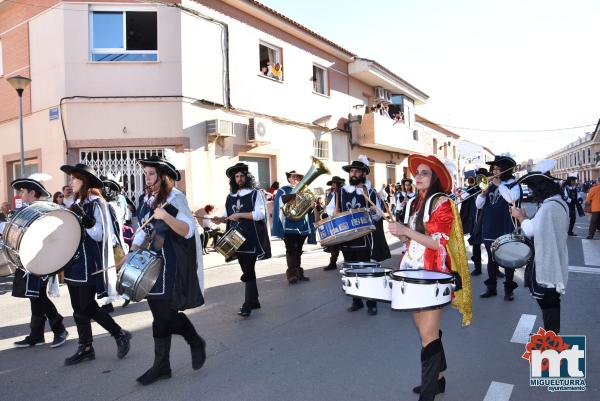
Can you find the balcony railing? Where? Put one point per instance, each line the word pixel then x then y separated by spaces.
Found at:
pixel 381 132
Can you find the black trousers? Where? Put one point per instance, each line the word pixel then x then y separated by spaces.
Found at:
pixel 476 258
pixel 85 308
pixel 334 254
pixel 572 218
pixel 247 263
pixel 358 255
pixel 492 269
pixel 293 255
pixel 550 305
pixel 594 224
pixel 167 321
pixel 42 308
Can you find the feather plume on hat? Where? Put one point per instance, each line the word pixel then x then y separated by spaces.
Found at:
pixel 178 160
pixel 363 159
pixel 40 177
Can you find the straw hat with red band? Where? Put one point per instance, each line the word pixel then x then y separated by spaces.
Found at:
pixel 435 165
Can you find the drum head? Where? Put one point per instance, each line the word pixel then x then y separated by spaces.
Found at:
pixel 361 265
pixel 421 276
pixel 376 272
pixel 50 242
pixel 512 254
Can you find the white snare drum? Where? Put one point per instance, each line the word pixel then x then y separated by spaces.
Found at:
pixel 512 251
pixel 42 238
pixel 359 265
pixel 421 289
pixel 369 283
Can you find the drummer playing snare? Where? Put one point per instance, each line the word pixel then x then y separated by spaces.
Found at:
pixel 430 219
pixel 245 211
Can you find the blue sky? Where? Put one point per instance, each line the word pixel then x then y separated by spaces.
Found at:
pixel 500 65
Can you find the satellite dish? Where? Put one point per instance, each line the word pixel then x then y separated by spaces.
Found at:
pixel 260 129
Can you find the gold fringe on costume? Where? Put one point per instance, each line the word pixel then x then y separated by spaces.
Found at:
pixel 458 257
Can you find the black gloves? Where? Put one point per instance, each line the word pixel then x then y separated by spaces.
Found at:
pixel 87 219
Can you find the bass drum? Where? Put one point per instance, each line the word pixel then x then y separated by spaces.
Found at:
pixel 139 274
pixel 42 238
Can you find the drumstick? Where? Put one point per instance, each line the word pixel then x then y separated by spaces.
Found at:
pixel 390 218
pixel 103 270
pixel 149 220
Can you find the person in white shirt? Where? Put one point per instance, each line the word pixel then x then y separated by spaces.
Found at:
pixel 548 275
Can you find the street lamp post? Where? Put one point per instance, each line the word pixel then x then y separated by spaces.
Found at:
pixel 20 83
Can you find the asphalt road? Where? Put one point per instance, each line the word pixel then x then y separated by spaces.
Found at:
pixel 304 345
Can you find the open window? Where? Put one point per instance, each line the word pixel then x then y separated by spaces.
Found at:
pixel 320 80
pixel 123 36
pixel 271 61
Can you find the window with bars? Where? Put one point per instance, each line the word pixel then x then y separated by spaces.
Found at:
pixel 121 163
pixel 320 149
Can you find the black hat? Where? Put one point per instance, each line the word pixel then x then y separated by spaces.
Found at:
pixel 112 184
pixel 337 179
pixel 358 165
pixel 288 174
pixel 30 185
pixel 231 171
pixel 483 171
pixel 406 180
pixel 162 166
pixel 541 173
pixel 86 171
pixel 502 161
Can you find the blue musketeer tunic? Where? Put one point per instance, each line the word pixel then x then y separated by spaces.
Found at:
pixel 283 225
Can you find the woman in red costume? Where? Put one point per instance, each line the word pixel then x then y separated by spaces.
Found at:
pixel 428 228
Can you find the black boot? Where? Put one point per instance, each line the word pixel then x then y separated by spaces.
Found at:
pixel 491 289
pixel 161 369
pixel 551 318
pixel 332 262
pixel 357 304
pixel 509 287
pixel 123 343
pixel 196 343
pixel 301 275
pixel 249 298
pixel 60 333
pixel 372 307
pixel 443 367
pixel 431 363
pixel 85 352
pixel 36 335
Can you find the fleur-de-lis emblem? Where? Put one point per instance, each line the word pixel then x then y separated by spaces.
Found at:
pixel 237 207
pixel 353 205
pixel 494 196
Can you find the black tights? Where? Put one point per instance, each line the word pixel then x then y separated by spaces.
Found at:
pixel 550 305
pixel 85 308
pixel 168 321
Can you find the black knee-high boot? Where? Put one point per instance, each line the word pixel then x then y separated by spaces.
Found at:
pixel 196 343
pixel 431 363
pixel 551 318
pixel 161 368
pixel 443 366
pixel 292 270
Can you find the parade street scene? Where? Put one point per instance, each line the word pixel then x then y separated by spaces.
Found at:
pixel 275 200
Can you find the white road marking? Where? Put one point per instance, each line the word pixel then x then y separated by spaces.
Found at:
pixel 584 269
pixel 591 252
pixel 499 392
pixel 523 329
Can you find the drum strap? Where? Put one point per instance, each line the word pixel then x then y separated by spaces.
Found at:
pixel 407 209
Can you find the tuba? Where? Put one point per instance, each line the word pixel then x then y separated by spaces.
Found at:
pixel 298 207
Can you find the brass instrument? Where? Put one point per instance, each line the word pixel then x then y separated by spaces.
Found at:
pixel 470 181
pixel 483 182
pixel 297 208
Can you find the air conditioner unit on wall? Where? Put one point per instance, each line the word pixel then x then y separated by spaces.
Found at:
pixel 379 94
pixel 256 132
pixel 216 128
pixel 387 95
